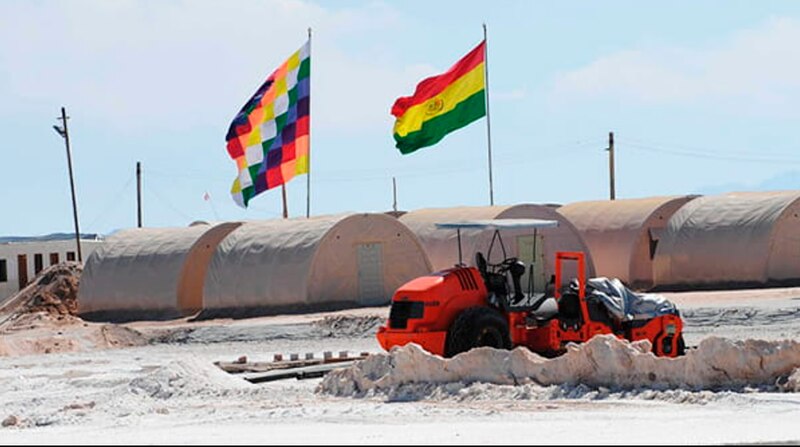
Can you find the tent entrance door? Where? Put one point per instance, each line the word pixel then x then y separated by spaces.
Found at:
pixel 525 248
pixel 370 274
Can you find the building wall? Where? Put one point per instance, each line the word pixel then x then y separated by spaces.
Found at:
pixel 9 252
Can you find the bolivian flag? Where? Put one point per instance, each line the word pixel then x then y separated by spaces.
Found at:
pixel 442 104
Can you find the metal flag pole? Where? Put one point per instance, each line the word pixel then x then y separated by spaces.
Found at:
pixel 611 184
pixel 64 132
pixel 488 121
pixel 283 194
pixel 394 195
pixel 139 194
pixel 308 159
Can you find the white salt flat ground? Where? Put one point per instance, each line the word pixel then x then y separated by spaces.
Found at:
pixel 171 393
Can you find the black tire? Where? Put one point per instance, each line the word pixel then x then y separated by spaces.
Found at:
pixel 681 345
pixel 476 327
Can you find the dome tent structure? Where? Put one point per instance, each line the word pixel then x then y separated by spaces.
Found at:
pixel 138 272
pixel 321 263
pixel 740 239
pixel 441 246
pixel 623 235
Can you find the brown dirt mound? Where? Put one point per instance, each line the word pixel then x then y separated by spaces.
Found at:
pixel 41 318
pixel 54 291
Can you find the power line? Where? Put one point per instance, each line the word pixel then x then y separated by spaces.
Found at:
pixel 709 154
pixel 168 204
pixel 113 203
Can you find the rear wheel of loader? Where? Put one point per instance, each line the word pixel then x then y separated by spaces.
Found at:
pixel 476 327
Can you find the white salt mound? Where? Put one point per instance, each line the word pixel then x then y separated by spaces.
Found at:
pixel 187 378
pixel 604 361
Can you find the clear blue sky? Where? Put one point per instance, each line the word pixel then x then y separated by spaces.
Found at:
pixel 702 97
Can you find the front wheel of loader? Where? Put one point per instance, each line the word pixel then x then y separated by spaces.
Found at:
pixel 681 345
pixel 476 327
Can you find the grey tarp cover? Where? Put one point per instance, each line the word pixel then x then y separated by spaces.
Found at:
pixel 734 238
pixel 623 304
pixel 137 271
pixel 311 263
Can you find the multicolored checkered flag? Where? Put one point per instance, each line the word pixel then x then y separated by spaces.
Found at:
pixel 269 138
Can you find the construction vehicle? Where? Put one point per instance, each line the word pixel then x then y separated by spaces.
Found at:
pixel 457 309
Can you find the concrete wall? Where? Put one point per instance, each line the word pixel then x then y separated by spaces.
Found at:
pixel 9 253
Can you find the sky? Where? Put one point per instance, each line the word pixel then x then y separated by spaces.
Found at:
pixel 701 96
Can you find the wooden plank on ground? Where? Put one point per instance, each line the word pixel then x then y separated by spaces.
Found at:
pixel 299 373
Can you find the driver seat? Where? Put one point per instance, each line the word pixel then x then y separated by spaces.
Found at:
pixel 495 282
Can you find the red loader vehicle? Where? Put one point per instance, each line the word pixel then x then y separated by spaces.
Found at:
pixel 455 310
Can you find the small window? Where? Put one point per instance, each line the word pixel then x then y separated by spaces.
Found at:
pixel 22 271
pixel 53 258
pixel 70 256
pixel 38 263
pixel 3 271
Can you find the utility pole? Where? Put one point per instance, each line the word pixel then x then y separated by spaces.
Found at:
pixel 139 194
pixel 64 132
pixel 610 149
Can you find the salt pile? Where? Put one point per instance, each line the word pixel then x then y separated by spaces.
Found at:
pixel 189 377
pixel 603 362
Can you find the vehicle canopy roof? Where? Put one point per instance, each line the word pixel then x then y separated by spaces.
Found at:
pixel 498 224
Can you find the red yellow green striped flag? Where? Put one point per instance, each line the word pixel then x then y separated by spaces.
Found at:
pixel 442 104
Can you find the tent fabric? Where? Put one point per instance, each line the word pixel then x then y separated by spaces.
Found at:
pixel 622 234
pixel 441 245
pixel 136 272
pixel 313 263
pixel 743 238
pixel 193 273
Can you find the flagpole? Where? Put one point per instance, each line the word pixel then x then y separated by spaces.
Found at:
pixel 488 121
pixel 283 194
pixel 308 159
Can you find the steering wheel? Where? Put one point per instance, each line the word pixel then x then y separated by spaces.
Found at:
pixel 505 264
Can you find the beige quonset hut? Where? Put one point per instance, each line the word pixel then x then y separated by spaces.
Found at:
pixel 148 273
pixel 442 245
pixel 623 235
pixel 734 239
pixel 320 263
